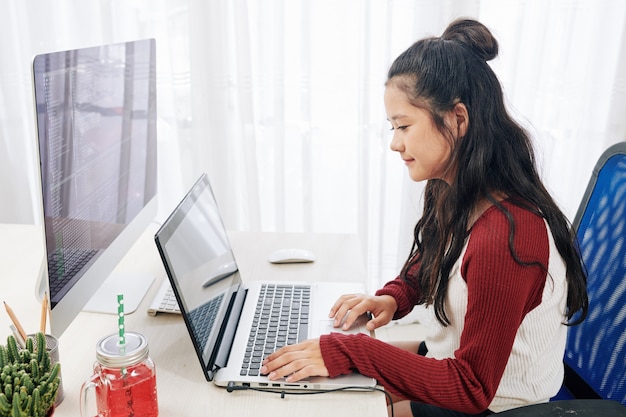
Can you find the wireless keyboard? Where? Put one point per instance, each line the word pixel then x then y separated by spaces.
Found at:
pixel 164 300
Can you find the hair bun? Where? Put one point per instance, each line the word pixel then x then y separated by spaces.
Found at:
pixel 474 35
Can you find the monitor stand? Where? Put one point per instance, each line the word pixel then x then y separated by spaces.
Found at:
pixel 133 285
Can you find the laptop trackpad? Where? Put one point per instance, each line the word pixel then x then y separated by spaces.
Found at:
pixel 326 326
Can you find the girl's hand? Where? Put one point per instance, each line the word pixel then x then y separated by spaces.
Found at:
pixel 349 307
pixel 295 362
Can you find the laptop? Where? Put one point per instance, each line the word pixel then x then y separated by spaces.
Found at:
pixel 225 315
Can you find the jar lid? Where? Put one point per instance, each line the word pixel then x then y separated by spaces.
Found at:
pixel 109 353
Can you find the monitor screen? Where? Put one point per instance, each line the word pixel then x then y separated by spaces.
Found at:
pixel 96 125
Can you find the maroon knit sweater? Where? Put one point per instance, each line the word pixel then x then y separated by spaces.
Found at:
pixel 500 292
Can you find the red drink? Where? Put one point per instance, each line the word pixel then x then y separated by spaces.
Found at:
pixel 124 380
pixel 131 395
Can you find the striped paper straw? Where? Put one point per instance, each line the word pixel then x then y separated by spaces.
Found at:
pixel 121 327
pixel 120 321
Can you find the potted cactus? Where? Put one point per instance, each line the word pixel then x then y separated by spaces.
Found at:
pixel 28 381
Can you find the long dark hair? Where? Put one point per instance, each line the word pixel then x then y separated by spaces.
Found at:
pixel 495 157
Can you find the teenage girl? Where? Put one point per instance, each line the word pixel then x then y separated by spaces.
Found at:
pixel 494 259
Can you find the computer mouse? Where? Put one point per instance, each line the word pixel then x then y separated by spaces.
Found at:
pixel 291 255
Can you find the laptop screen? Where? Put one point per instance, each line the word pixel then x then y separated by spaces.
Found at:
pixel 201 267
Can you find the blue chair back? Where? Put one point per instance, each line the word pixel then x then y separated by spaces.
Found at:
pixel 596 349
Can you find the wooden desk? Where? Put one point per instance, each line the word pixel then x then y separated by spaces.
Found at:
pixel 182 389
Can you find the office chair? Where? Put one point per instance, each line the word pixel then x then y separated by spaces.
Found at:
pixel 595 354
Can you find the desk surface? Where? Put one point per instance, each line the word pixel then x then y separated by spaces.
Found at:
pixel 182 388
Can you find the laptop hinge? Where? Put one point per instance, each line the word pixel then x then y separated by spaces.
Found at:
pixel 230 328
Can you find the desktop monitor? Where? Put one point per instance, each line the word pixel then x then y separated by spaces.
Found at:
pixel 96 128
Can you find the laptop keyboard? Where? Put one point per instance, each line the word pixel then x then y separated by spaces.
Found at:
pixel 203 319
pixel 281 318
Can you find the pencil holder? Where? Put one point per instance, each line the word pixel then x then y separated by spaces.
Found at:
pixel 52 346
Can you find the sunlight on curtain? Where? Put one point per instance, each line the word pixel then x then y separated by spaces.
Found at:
pixel 311 153
pixel 280 101
pixel 563 69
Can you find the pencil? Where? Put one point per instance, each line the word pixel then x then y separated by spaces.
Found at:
pixel 15 321
pixel 44 312
pixel 18 337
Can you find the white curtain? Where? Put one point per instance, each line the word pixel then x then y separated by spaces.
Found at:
pixel 281 101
